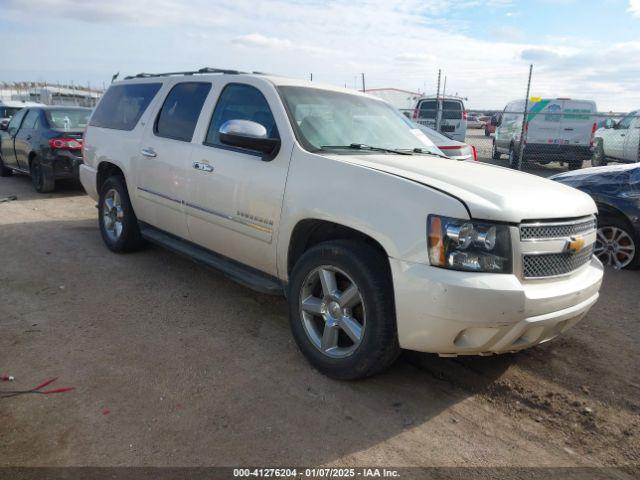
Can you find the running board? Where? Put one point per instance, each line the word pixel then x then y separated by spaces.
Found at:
pixel 247 276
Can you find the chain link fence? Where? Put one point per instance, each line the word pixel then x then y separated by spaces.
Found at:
pixel 549 136
pixel 538 134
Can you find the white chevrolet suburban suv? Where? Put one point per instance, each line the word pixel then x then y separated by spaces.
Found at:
pixel 327 196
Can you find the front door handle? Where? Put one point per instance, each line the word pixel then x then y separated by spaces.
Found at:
pixel 28 137
pixel 203 167
pixel 148 152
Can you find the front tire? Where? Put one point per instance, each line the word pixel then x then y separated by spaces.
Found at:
pixel 42 180
pixel 341 309
pixel 616 244
pixel 118 222
pixel 598 159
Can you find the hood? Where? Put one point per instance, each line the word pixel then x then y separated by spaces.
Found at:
pixel 595 174
pixel 488 191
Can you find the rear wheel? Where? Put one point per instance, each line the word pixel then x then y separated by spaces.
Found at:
pixel 42 180
pixel 616 244
pixel 514 158
pixel 495 154
pixel 4 171
pixel 574 164
pixel 341 309
pixel 118 222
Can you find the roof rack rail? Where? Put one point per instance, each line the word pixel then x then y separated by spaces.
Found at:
pixel 224 71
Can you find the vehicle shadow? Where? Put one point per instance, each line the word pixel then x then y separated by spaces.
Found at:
pixel 20 185
pixel 194 368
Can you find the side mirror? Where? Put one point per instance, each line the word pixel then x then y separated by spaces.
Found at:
pixel 609 123
pixel 249 135
pixel 4 125
pixel 496 121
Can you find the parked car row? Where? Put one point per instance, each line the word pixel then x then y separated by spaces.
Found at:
pixel 45 143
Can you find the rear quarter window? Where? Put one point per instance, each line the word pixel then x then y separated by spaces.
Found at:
pixel 123 105
pixel 179 114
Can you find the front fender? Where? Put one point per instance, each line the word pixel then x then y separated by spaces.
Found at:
pixel 390 209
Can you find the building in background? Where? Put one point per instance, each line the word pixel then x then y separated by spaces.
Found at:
pixel 50 94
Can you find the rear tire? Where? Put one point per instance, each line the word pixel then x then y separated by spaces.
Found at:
pixel 42 181
pixel 118 222
pixel 495 154
pixel 574 164
pixel 344 339
pixel 514 160
pixel 4 171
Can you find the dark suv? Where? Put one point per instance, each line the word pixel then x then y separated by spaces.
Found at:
pixel 44 142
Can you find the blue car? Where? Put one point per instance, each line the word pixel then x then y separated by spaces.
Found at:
pixel 616 191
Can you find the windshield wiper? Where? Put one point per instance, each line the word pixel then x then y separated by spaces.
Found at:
pixel 362 146
pixel 425 151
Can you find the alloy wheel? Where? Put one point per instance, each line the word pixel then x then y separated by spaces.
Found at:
pixel 112 215
pixel 332 311
pixel 614 247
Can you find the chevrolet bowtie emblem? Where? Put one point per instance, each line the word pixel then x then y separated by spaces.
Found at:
pixel 574 245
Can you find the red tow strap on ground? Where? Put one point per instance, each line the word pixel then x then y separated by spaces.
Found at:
pixel 37 389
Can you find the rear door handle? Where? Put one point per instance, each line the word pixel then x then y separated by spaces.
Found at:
pixel 203 167
pixel 148 152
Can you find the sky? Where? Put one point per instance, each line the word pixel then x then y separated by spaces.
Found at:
pixel 579 48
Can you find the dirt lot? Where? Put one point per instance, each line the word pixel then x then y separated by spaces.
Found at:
pixel 173 364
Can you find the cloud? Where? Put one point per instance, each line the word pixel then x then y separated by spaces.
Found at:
pixel 509 34
pixel 634 8
pixel 415 58
pixel 401 43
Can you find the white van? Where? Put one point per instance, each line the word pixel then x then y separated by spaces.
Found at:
pixel 453 119
pixel 558 129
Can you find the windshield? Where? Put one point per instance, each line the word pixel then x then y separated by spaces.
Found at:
pixel 68 119
pixel 323 119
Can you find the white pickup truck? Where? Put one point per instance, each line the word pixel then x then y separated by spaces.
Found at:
pixel 618 141
pixel 326 195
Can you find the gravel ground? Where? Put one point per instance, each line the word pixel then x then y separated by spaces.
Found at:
pixel 174 364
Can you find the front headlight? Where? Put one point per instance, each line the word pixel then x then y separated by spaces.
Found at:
pixel 468 245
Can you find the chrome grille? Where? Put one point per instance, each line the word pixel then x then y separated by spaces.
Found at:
pixel 554 264
pixel 546 231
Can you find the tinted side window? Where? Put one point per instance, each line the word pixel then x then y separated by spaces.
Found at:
pixel 123 105
pixel 428 109
pixel 31 120
pixel 179 114
pixel 14 124
pixel 241 102
pixel 626 121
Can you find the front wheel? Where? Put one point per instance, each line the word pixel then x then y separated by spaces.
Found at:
pixel 118 222
pixel 616 245
pixel 341 309
pixel 598 159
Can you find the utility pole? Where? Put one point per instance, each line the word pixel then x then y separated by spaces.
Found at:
pixel 438 105
pixel 311 77
pixel 523 131
pixel 363 87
